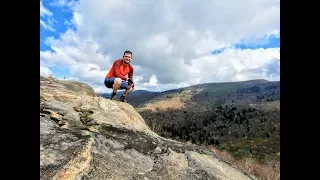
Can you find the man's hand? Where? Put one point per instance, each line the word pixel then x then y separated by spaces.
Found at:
pixel 130 82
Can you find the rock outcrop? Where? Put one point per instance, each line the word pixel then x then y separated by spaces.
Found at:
pixel 83 136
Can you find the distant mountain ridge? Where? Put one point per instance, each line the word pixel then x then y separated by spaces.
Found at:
pixel 138 97
pixel 240 86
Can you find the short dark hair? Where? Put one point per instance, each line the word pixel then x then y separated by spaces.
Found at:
pixel 127 52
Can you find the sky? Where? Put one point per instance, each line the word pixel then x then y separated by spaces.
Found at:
pixel 174 43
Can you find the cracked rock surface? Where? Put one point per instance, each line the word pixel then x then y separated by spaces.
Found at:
pixel 83 136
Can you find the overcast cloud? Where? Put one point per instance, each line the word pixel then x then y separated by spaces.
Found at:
pixel 171 40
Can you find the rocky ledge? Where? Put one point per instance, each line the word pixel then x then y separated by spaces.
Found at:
pixel 83 136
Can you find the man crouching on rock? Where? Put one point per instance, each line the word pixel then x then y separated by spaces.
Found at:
pixel 121 76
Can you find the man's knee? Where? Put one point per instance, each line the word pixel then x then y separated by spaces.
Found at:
pixel 130 88
pixel 117 81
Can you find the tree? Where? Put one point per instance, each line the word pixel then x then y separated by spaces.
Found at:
pixel 211 141
pixel 193 141
pixel 244 111
pixel 217 143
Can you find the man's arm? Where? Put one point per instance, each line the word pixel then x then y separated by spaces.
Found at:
pixel 130 75
pixel 117 65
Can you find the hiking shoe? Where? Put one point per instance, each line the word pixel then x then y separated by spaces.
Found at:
pixel 113 96
pixel 122 99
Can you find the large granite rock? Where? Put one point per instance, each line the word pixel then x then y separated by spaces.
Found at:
pixel 83 136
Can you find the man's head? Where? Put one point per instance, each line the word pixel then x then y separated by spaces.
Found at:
pixel 127 56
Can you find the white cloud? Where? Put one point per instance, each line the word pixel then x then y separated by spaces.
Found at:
pixel 275 33
pixel 46 26
pixel 232 64
pixel 63 3
pixel 44 71
pixel 44 11
pixel 171 41
pixel 100 90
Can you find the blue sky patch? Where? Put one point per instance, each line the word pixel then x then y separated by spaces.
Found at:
pixel 271 42
pixel 60 16
pixel 60 72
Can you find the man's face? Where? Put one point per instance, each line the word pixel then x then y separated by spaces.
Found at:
pixel 127 58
